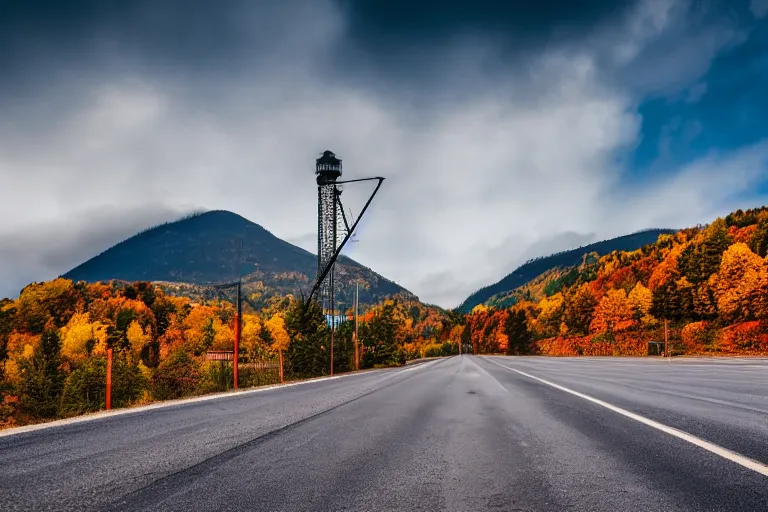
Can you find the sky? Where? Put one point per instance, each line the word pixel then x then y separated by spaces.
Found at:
pixel 505 130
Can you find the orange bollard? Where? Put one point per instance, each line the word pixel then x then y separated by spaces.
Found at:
pixel 109 378
pixel 235 357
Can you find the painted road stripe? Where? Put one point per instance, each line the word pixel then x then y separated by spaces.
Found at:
pixel 184 401
pixel 711 447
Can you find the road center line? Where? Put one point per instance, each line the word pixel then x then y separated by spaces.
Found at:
pixel 711 447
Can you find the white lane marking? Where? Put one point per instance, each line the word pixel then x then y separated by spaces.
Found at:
pixel 748 463
pixel 184 401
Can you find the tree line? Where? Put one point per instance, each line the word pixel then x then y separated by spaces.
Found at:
pixel 709 283
pixel 54 339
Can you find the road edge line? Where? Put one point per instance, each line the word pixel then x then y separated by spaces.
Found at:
pixel 101 415
pixel 725 453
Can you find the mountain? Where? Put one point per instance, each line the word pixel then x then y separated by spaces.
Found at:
pixel 205 248
pixel 533 268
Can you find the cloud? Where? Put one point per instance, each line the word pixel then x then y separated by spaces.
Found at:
pixel 487 163
pixel 38 250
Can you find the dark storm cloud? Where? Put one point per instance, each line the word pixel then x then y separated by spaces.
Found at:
pixel 382 24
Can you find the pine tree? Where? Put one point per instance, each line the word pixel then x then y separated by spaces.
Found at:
pixel 665 303
pixel 308 353
pixel 516 329
pixel 43 378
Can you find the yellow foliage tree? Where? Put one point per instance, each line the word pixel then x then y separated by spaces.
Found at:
pixel 280 338
pixel 198 328
pixel 613 312
pixel 250 336
pixel 551 314
pixel 78 333
pixel 640 300
pixel 137 337
pixel 276 326
pixel 224 336
pixel 737 282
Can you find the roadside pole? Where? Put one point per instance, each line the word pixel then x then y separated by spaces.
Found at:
pixel 236 355
pixel 357 298
pixel 109 378
pixel 666 339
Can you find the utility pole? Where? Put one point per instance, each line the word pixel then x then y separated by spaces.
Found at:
pixel 333 321
pixel 238 317
pixel 357 299
pixel 666 339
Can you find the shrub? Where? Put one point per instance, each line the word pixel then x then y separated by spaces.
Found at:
pixel 744 337
pixel 176 376
pixel 85 388
pixel 215 376
pixel 698 337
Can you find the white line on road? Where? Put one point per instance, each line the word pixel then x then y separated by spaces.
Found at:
pixel 711 447
pixel 184 401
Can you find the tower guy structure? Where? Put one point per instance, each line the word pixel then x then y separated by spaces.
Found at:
pixel 333 232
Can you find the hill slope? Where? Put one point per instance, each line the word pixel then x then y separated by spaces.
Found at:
pixel 534 268
pixel 206 248
pixel 704 290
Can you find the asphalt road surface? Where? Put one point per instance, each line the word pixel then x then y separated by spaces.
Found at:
pixel 464 433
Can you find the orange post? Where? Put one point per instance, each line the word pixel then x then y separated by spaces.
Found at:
pixel 109 378
pixel 235 357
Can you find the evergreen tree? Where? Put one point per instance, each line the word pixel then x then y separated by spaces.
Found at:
pixel 579 310
pixel 665 303
pixel 382 330
pixel 699 261
pixel 43 378
pixel 516 329
pixel 759 241
pixel 466 337
pixel 308 353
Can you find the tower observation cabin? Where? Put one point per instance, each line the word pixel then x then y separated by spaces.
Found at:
pixel 327 168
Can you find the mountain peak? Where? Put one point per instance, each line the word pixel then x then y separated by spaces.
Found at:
pixel 215 246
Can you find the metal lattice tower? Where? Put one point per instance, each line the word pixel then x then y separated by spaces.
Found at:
pixel 329 223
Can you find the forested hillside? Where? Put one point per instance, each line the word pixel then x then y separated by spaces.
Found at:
pixel 218 246
pixel 54 339
pixel 709 282
pixel 533 268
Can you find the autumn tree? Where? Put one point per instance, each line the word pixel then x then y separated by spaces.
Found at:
pixel 251 341
pixel 280 337
pixel 737 283
pixel 579 309
pixel 551 315
pixel 640 301
pixel 80 337
pixel 613 313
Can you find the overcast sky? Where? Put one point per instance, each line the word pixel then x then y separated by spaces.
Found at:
pixel 504 132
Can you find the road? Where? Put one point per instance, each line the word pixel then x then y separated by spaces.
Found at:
pixel 458 434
